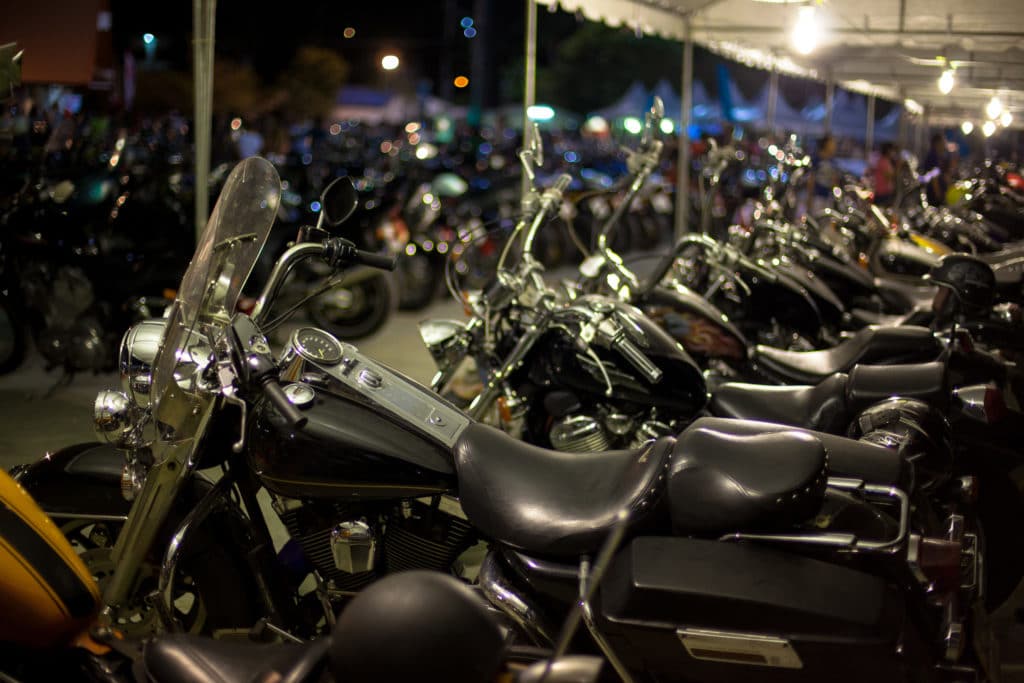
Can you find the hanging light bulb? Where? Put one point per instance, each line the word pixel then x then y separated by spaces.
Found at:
pixel 994 108
pixel 1006 118
pixel 806 30
pixel 988 128
pixel 946 82
pixel 967 127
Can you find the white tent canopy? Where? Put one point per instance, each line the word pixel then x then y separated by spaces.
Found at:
pixel 894 49
pixel 882 47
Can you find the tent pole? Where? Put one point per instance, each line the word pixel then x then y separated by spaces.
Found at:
pixel 773 99
pixel 869 134
pixel 203 15
pixel 923 132
pixel 683 159
pixel 830 97
pixel 530 78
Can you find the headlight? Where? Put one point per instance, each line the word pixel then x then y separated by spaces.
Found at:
pixel 113 417
pixel 138 351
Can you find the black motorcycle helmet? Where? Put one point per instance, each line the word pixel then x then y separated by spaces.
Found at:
pixel 416 626
pixel 969 279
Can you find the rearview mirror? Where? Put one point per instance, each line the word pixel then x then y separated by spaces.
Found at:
pixel 338 201
pixel 536 145
pixel 657 109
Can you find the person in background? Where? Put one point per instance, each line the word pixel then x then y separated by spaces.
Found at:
pixel 824 176
pixel 937 170
pixel 884 175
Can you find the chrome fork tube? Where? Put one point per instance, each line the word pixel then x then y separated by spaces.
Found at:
pixel 483 401
pixel 147 515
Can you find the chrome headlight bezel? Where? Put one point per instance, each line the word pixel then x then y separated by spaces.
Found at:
pixel 139 347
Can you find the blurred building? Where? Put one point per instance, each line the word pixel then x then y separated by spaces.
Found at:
pixel 66 42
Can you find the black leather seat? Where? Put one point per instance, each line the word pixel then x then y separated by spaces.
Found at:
pixel 550 502
pixel 723 478
pixel 176 657
pixel 863 317
pixel 830 405
pixel 819 406
pixel 846 457
pixel 881 345
pixel 870 384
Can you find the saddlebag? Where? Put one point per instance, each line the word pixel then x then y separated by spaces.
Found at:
pixel 685 609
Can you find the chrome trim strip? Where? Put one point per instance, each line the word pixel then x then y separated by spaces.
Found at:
pixel 91 518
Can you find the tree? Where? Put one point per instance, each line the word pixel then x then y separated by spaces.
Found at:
pixel 312 81
pixel 596 64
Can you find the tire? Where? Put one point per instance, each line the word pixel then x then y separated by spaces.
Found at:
pixel 12 339
pixel 419 276
pixel 357 311
pixel 213 592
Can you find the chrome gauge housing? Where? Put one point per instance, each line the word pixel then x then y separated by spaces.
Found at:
pixel 138 351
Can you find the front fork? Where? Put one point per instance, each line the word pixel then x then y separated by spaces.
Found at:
pixel 146 517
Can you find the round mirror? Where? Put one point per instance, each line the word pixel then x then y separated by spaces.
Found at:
pixel 339 201
pixel 536 145
pixel 657 109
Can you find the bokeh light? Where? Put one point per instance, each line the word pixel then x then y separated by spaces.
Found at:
pixel 389 62
pixel 460 82
pixel 349 32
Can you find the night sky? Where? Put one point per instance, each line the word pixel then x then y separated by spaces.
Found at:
pixel 268 40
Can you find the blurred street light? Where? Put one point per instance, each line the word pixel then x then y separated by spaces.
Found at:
pixel 389 62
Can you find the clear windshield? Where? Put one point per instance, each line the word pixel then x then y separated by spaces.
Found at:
pixel 224 257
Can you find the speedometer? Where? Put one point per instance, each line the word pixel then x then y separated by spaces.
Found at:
pixel 317 346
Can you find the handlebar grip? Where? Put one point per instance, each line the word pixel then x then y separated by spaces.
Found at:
pixel 638 360
pixel 374 260
pixel 273 391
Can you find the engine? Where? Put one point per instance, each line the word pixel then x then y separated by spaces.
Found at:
pixel 350 548
pixel 582 433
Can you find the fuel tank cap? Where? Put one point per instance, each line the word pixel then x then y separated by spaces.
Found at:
pixel 301 395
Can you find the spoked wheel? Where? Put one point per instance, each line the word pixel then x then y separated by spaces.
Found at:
pixel 94 543
pixel 418 276
pixel 354 311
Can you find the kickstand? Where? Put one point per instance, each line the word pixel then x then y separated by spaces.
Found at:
pixel 64 380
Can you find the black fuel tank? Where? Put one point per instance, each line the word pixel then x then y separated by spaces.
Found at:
pixel 347 451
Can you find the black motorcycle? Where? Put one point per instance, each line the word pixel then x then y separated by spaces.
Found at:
pixel 578 374
pixel 734 537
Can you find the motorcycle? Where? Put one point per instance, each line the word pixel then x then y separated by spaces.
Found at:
pixel 579 374
pixel 52 634
pixel 364 465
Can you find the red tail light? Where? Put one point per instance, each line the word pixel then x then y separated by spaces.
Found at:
pixel 938 562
